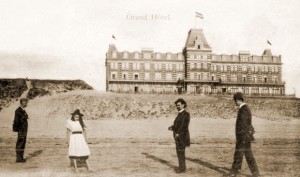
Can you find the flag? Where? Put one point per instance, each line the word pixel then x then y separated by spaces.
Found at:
pixel 199 15
pixel 269 42
pixel 114 37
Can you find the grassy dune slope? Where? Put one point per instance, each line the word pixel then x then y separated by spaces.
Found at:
pixel 97 105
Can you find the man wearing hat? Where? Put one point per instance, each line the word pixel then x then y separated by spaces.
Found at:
pixel 244 135
pixel 20 125
pixel 181 133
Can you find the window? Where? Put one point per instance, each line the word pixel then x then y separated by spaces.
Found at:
pixel 244 68
pixel 169 76
pixel 255 90
pixel 265 91
pixel 191 75
pixel 136 76
pixel 113 76
pixel 213 77
pixel 157 76
pixel 199 46
pixel 157 56
pixel 114 65
pixel 146 55
pixel 179 76
pixel 254 79
pixel 235 68
pixel 134 66
pixel 114 54
pixel 169 67
pixel 244 78
pixel 179 67
pixel 136 55
pixel 223 77
pixel 265 80
pixel 192 56
pixel 147 66
pixel 234 78
pixel 147 76
pixel 125 55
pixel 168 56
pixel 179 57
pixel 125 66
pixel 157 66
pixel 125 76
pixel 275 79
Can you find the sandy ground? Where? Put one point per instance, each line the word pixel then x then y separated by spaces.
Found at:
pixel 145 147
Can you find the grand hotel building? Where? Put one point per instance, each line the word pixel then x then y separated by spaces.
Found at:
pixel 195 70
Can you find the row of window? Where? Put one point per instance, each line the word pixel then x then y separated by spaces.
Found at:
pixel 137 55
pixel 225 68
pixel 232 78
pixel 169 67
pixel 147 76
pixel 198 56
pixel 195 76
pixel 147 66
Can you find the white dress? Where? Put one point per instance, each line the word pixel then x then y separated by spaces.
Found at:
pixel 77 144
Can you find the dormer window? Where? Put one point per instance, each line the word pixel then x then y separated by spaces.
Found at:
pixel 168 56
pixel 136 55
pixel 158 56
pixel 114 54
pixel 125 55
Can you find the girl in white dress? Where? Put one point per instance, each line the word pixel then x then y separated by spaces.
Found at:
pixel 78 148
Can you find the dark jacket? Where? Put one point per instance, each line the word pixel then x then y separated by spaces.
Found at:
pixel 20 123
pixel 181 127
pixel 243 126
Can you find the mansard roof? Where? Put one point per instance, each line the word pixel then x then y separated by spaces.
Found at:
pixel 267 52
pixel 112 47
pixel 196 35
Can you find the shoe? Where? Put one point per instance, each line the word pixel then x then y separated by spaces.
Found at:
pixel 180 171
pixel 21 161
pixel 231 175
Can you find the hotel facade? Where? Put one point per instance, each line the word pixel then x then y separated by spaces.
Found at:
pixel 195 70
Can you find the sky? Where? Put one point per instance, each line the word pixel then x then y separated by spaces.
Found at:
pixel 68 39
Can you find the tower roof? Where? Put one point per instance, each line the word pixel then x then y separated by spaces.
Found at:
pixel 196 36
pixel 267 52
pixel 112 47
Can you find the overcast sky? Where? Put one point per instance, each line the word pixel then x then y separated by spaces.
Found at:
pixel 68 39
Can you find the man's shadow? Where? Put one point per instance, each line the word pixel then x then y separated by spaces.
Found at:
pixel 223 170
pixel 159 160
pixel 34 154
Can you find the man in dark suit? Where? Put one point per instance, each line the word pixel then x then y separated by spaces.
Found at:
pixel 244 135
pixel 181 133
pixel 20 125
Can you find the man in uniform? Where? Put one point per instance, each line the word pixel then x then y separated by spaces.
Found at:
pixel 20 125
pixel 244 135
pixel 181 133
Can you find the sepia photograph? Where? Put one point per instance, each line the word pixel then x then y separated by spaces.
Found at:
pixel 140 88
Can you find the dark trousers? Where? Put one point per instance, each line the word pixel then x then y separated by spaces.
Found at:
pixel 180 151
pixel 241 149
pixel 20 145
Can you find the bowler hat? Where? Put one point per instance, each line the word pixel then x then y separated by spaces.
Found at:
pixel 76 112
pixel 238 96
